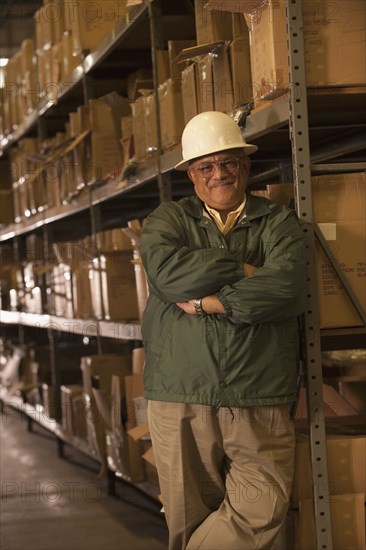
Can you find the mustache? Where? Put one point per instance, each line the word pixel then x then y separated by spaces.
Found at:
pixel 227 181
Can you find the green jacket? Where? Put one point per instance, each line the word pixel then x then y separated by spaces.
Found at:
pixel 248 357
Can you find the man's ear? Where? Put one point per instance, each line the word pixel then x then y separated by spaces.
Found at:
pixel 190 174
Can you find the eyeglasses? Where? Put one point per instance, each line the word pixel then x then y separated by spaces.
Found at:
pixel 229 165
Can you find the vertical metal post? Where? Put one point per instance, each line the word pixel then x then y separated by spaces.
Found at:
pixel 55 362
pixel 87 82
pixel 95 220
pixel 19 257
pixel 54 365
pixel 155 18
pixel 302 177
pixel 41 130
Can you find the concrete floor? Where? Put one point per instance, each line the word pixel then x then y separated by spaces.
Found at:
pixel 48 503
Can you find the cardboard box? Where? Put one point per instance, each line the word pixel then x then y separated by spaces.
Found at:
pixel 189 92
pixel 139 432
pixel 142 287
pixel 171 113
pixel 113 240
pixel 44 27
pixel 61 291
pixel 151 134
pixel 81 291
pixel 139 133
pixel 94 153
pixel 346 459
pixel 205 96
pixel 355 394
pixel 105 434
pixel 214 76
pixel 57 69
pixel 11 283
pixel 150 466
pixel 105 367
pixel 333 402
pixel 133 80
pixel 339 208
pixel 95 429
pixel 127 139
pixel 334 46
pixel 49 400
pixel 113 286
pixel 30 90
pixel 212 25
pixel 35 283
pixel 174 48
pixel 163 67
pixel 347 519
pixel 280 193
pixel 241 71
pixel 91 21
pixel 118 287
pixel 73 412
pixel 27 56
pixel 133 231
pixel 222 80
pixel 54 11
pixel 134 388
pixel 70 60
pixel 117 440
pixel 123 453
pixel 106 152
pixel 34 247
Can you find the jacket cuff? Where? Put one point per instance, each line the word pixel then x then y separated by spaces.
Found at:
pixel 224 302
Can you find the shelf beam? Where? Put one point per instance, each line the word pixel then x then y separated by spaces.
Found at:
pixel 118 330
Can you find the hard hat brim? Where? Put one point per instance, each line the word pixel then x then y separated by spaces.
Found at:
pixel 249 149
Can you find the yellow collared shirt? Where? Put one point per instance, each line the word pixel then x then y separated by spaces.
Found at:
pixel 231 219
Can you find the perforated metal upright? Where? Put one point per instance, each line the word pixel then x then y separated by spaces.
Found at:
pixel 299 130
pixel 157 43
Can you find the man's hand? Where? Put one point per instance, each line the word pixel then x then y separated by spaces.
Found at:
pixel 210 304
pixel 249 269
pixel 188 307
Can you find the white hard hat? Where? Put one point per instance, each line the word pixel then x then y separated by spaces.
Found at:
pixel 209 133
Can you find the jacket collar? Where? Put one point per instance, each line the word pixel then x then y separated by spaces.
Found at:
pixel 255 207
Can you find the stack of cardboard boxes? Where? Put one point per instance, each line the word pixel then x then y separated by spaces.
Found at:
pixel 64 32
pixel 345 492
pixel 339 210
pixel 111 412
pixel 334 43
pixel 86 279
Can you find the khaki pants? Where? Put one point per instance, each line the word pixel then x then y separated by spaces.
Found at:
pixel 225 474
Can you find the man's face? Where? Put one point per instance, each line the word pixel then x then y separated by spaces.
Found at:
pixel 220 179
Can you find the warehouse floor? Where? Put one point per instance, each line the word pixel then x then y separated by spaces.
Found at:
pixel 49 503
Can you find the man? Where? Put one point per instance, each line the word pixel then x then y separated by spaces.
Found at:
pixel 227 281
